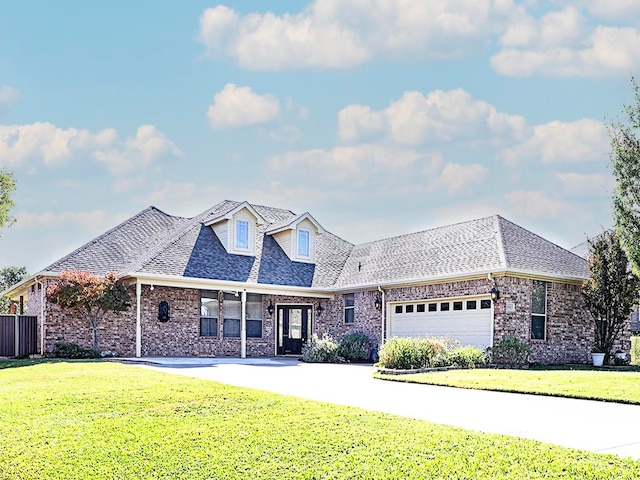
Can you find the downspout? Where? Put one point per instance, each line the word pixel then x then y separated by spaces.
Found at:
pixel 383 314
pixel 138 319
pixel 41 285
pixel 243 325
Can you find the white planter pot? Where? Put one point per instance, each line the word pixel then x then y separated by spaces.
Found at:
pixel 597 359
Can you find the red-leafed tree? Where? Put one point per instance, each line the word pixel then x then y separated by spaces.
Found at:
pixel 90 295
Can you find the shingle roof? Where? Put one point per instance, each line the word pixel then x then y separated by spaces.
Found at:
pixel 156 243
pixel 477 246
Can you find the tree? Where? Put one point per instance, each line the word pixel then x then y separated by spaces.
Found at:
pixel 10 276
pixel 611 291
pixel 90 295
pixel 7 187
pixel 625 158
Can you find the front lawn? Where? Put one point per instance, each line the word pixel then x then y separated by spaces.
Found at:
pixel 77 420
pixel 607 385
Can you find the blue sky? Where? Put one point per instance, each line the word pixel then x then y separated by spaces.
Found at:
pixel 378 117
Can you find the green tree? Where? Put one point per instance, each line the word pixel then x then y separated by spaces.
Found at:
pixel 625 158
pixel 9 276
pixel 611 291
pixel 7 187
pixel 90 295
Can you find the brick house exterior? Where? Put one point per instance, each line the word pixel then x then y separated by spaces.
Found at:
pixel 283 285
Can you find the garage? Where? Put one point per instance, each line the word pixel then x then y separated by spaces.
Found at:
pixel 468 320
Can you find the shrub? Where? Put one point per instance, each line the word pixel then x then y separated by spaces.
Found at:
pixel 511 351
pixel 354 346
pixel 316 350
pixel 410 353
pixel 467 357
pixel 73 350
pixel 635 350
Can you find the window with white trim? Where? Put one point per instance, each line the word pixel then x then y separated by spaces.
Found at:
pixel 539 310
pixel 232 311
pixel 349 306
pixel 303 243
pixel 208 313
pixel 242 234
pixel 254 315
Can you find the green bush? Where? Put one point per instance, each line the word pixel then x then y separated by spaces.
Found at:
pixel 511 351
pixel 635 350
pixel 354 346
pixel 320 350
pixel 467 357
pixel 73 350
pixel 410 353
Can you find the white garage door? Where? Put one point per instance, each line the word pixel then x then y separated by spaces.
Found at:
pixel 467 320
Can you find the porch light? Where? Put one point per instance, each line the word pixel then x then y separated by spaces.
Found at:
pixel 319 309
pixel 378 302
pixel 270 308
pixel 495 293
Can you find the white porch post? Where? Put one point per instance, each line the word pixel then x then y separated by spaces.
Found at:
pixel 138 320
pixel 243 325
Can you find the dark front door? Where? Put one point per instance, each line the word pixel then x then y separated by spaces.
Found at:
pixel 294 326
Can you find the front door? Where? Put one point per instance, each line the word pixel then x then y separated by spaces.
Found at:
pixel 294 325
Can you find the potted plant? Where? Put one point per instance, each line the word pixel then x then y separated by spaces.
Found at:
pixel 597 356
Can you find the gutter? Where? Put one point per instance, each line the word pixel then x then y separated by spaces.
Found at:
pixel 41 285
pixel 382 315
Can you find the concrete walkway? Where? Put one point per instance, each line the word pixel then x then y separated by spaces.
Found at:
pixel 584 424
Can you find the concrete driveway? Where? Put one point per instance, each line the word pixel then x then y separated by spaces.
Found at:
pixel 584 424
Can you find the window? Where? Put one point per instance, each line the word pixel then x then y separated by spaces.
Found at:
pixel 303 243
pixel 254 315
pixel 538 310
pixel 398 308
pixel 349 303
pixel 242 234
pixel 457 305
pixel 484 304
pixel 232 312
pixel 208 313
pixel 471 304
pixel 444 306
pixel 420 308
pixel 433 307
pixel 409 309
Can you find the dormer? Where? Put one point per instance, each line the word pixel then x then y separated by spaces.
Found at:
pixel 237 229
pixel 297 237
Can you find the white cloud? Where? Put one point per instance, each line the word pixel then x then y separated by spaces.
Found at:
pixel 559 44
pixel 338 34
pixel 45 140
pixel 535 204
pixel 137 152
pixel 580 141
pixel 455 177
pixel 354 164
pixel 95 221
pixel 612 9
pixel 240 107
pixel 414 119
pixel 587 183
pixel 8 97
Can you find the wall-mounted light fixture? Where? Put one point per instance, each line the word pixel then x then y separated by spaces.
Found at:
pixel 270 308
pixel 495 293
pixel 377 302
pixel 163 311
pixel 319 309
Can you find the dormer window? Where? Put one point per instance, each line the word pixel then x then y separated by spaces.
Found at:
pixel 303 243
pixel 242 234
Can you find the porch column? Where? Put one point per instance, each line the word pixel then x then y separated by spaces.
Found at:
pixel 138 316
pixel 243 325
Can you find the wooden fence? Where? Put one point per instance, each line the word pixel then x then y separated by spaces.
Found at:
pixel 18 335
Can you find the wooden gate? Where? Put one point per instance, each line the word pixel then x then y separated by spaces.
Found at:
pixel 18 335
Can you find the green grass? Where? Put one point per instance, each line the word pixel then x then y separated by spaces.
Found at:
pixel 607 385
pixel 77 420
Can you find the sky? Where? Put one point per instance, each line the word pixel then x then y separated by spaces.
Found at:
pixel 378 117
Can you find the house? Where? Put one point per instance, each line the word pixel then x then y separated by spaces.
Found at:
pixel 249 280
